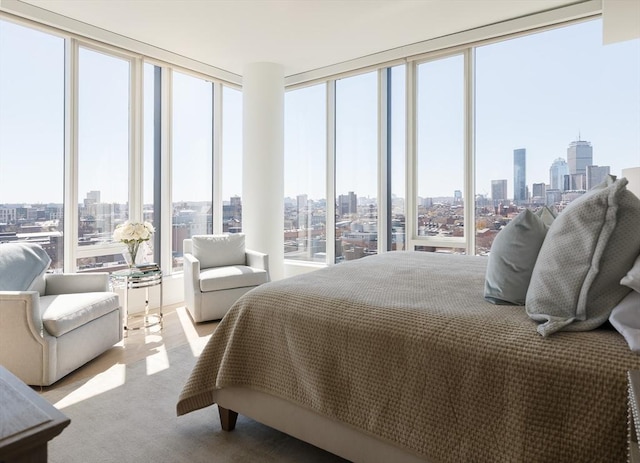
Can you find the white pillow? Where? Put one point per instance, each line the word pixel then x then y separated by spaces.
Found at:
pixel 625 317
pixel 632 278
pixel 219 250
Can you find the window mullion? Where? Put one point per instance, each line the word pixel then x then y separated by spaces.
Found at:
pixel 384 155
pixel 469 154
pixel 217 164
pixel 410 188
pixel 136 162
pixel 71 211
pixel 330 227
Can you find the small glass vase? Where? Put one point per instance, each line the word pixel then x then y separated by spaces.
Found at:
pixel 131 256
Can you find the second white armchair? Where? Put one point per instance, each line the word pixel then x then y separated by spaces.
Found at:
pixel 217 271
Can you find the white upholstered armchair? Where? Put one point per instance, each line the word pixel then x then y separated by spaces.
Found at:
pixel 51 324
pixel 217 271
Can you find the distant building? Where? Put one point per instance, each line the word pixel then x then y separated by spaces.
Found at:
pixel 596 175
pixel 519 175
pixel 93 197
pixel 539 193
pixel 498 190
pixel 579 156
pixel 303 213
pixel 557 171
pixel 457 197
pixel 578 182
pixel 348 204
pixel 554 196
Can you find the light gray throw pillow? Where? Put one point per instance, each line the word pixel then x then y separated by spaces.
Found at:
pixel 219 250
pixel 513 255
pixel 22 265
pixel 589 247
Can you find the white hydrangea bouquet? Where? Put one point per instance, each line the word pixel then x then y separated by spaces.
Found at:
pixel 133 234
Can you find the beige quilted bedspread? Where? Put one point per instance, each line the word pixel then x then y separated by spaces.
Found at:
pixel 403 346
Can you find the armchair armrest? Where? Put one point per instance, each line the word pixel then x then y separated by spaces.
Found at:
pixel 68 283
pixel 257 259
pixel 25 347
pixel 191 271
pixel 20 310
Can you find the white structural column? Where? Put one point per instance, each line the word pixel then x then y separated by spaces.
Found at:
pixel 263 162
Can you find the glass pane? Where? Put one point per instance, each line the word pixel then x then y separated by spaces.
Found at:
pixel 32 138
pixel 440 147
pixel 231 160
pixel 305 155
pixel 356 167
pixel 192 161
pixel 551 121
pixel 103 147
pixel 398 156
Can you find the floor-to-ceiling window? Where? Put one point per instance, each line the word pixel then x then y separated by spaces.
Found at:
pixel 192 154
pixel 103 150
pixel 231 160
pixel 556 111
pixel 305 151
pixel 356 166
pixel 32 138
pixel 440 151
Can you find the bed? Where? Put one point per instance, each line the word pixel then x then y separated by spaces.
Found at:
pixel 398 357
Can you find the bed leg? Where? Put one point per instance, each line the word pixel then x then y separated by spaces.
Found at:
pixel 227 418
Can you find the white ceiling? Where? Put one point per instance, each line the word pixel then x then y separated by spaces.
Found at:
pixel 302 35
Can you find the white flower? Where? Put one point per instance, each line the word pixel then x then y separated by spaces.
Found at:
pixel 133 232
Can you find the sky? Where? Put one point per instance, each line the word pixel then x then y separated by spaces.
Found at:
pixel 530 93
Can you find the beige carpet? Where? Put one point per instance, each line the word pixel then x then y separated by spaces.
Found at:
pixel 127 414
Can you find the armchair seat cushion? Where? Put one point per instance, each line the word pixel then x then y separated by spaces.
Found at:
pixel 235 276
pixel 64 312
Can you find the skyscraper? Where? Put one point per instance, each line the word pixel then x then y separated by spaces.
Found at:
pixel 557 171
pixel 519 175
pixel 579 156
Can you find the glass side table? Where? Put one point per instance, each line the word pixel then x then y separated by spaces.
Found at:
pixel 140 277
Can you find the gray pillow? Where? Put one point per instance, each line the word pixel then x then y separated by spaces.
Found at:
pixel 513 255
pixel 632 278
pixel 589 247
pixel 219 250
pixel 547 215
pixel 21 266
